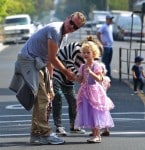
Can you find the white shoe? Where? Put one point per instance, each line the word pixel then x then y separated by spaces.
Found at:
pixel 141 91
pixel 61 131
pixel 78 131
pixel 96 139
pixel 135 92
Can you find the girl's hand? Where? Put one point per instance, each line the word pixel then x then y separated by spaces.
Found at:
pixel 88 70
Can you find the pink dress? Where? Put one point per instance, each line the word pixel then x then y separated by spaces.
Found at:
pixel 93 105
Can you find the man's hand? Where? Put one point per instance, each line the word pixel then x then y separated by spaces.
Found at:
pixel 70 75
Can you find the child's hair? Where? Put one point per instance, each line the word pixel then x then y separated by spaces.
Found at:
pixel 93 47
pixel 91 38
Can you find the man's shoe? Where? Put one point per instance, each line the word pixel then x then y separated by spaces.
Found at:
pixel 135 92
pixel 141 91
pixel 79 131
pixel 61 131
pixel 51 139
pixel 35 140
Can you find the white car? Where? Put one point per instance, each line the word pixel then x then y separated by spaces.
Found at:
pixel 18 28
pixel 127 26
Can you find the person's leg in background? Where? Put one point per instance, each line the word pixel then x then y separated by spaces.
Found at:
pixel 107 58
pixel 135 84
pixel 69 93
pixel 141 85
pixel 57 108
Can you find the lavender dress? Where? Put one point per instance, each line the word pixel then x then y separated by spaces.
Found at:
pixel 93 105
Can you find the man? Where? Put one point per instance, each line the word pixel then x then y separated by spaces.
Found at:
pixel 35 62
pixel 105 36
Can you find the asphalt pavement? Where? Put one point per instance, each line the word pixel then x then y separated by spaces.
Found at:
pixel 124 136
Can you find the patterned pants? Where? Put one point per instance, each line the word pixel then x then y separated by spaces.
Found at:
pixel 61 92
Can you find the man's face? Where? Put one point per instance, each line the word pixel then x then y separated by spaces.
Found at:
pixel 71 24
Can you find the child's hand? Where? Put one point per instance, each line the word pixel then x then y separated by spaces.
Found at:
pixel 88 70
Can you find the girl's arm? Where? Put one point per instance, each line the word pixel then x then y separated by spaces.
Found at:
pixel 98 77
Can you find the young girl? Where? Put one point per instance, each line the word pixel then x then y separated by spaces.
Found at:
pixel 93 105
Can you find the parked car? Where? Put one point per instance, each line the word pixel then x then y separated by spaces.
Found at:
pixel 116 13
pixel 128 26
pixel 90 27
pixel 18 28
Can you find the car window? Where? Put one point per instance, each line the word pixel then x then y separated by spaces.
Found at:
pixel 16 21
pixel 126 22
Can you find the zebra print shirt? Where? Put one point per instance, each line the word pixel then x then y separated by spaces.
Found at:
pixel 71 58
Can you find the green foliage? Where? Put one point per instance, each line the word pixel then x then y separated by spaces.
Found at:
pixel 66 7
pixel 118 4
pixel 31 7
pixel 63 9
pixel 2 9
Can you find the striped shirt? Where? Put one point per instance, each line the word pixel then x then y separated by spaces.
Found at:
pixel 71 58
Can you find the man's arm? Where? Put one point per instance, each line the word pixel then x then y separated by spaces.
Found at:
pixel 99 36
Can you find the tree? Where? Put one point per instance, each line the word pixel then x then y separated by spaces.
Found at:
pixel 2 9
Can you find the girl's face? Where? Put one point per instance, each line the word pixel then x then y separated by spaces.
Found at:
pixel 87 54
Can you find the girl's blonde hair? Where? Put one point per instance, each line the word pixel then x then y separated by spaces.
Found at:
pixel 93 47
pixel 92 38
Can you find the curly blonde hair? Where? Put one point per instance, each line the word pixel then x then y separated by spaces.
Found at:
pixel 92 38
pixel 93 47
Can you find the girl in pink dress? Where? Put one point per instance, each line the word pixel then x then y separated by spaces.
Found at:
pixel 93 105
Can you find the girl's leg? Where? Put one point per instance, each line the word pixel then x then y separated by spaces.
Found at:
pixel 106 132
pixel 96 136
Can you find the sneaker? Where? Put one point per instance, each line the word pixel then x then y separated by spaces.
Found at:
pixel 61 131
pixel 135 92
pixel 35 140
pixel 96 139
pixel 79 131
pixel 141 91
pixel 51 139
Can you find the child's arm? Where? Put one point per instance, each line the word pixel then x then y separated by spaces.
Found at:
pixel 98 77
pixel 134 75
pixel 143 73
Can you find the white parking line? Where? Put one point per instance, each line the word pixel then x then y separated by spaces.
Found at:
pixel 87 133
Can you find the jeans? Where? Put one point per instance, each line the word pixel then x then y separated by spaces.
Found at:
pixel 69 94
pixel 138 82
pixel 107 58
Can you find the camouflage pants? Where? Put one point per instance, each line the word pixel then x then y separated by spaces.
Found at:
pixel 63 92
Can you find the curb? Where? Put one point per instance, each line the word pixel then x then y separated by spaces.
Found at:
pixel 140 95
